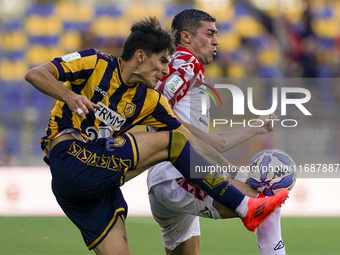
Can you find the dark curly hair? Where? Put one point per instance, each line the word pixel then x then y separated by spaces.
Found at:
pixel 148 36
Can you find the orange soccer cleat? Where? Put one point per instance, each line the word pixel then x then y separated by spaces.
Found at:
pixel 260 208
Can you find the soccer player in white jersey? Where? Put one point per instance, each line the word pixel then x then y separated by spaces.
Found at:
pixel 176 204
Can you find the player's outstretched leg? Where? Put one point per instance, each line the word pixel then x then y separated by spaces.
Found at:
pixel 260 208
pixel 253 211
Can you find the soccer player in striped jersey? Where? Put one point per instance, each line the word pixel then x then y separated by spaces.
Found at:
pixel 176 203
pixel 90 152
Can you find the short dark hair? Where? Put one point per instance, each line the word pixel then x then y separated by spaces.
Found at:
pixel 148 36
pixel 189 20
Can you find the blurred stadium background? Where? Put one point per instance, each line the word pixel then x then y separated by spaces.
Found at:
pixel 259 39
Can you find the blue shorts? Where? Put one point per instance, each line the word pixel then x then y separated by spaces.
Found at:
pixel 86 179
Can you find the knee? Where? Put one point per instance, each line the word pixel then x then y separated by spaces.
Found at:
pixel 178 136
pixel 177 142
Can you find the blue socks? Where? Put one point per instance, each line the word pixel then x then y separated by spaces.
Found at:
pixel 185 158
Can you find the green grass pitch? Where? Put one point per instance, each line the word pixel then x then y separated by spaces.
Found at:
pixel 58 236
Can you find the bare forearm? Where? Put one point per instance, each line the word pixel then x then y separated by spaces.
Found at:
pixel 214 157
pixel 43 79
pixel 208 152
pixel 236 137
pixel 214 140
pixel 194 130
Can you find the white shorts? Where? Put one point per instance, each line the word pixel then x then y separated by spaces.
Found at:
pixel 177 205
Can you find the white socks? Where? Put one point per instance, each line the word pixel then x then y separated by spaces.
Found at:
pixel 268 235
pixel 242 208
pixel 269 238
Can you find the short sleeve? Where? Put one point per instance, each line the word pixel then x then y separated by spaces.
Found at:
pixel 75 66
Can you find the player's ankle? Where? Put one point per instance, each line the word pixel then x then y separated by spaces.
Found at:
pixel 242 208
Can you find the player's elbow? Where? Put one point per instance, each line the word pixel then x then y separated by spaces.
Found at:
pixel 30 75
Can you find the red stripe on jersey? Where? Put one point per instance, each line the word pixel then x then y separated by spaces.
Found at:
pixel 180 64
pixel 189 187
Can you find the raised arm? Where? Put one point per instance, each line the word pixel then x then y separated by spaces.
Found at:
pixel 207 151
pixel 44 79
pixel 223 142
pixel 240 135
pixel 218 142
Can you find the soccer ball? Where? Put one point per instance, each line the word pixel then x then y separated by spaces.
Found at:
pixel 271 171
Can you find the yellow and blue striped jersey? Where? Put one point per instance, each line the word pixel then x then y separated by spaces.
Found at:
pixel 98 76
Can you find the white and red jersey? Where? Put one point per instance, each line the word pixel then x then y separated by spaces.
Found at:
pixel 184 71
pixel 182 90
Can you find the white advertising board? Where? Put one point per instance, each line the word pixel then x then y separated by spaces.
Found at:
pixel 26 191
